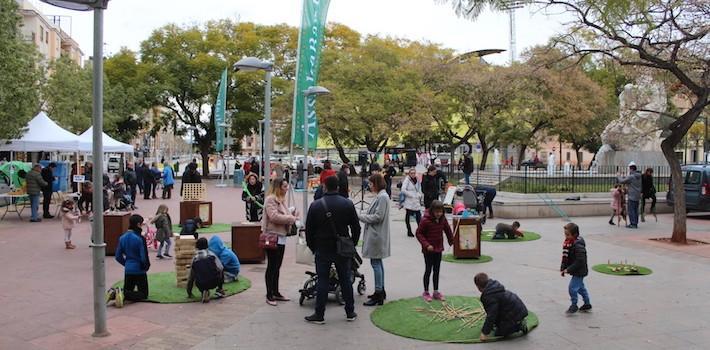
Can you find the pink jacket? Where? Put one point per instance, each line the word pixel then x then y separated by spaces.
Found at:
pixel 276 219
pixel 68 219
pixel 616 198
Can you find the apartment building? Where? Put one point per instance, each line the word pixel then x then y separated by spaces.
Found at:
pixel 51 41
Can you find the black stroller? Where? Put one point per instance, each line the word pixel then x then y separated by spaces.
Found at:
pixel 309 286
pixel 472 200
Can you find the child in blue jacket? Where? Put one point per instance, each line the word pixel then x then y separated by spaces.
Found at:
pixel 227 257
pixel 132 253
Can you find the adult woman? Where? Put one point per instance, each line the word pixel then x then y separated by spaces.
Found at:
pixel 376 245
pixel 168 180
pixel 412 190
pixel 278 220
pixel 253 195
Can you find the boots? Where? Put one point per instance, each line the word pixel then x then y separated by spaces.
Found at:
pixel 69 245
pixel 384 295
pixel 377 299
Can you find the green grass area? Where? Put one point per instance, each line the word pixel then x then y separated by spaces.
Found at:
pixel 162 287
pixel 214 228
pixel 487 236
pixel 404 318
pixel 450 258
pixel 519 186
pixel 624 270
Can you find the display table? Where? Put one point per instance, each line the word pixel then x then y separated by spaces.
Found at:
pixel 194 209
pixel 245 242
pixel 15 203
pixel 115 224
pixel 467 237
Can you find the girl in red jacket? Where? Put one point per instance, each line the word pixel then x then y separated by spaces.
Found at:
pixel 430 234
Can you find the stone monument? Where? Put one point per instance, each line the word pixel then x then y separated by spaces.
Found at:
pixel 636 134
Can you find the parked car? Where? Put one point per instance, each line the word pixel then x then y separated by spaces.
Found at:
pixel 696 182
pixel 335 165
pixel 113 164
pixel 532 164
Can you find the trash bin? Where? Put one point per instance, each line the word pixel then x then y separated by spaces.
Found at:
pixel 238 177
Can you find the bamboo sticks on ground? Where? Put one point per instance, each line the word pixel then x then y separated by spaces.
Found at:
pixel 468 315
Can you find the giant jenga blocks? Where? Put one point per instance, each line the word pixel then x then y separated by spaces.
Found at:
pixel 184 251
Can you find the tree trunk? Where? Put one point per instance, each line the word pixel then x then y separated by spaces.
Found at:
pixel 205 154
pixel 579 162
pixel 484 158
pixel 679 215
pixel 521 154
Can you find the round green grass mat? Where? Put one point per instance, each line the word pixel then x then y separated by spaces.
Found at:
pixel 162 288
pixel 450 258
pixel 625 270
pixel 214 228
pixel 402 317
pixel 487 236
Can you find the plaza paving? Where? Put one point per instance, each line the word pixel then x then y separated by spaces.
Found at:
pixel 46 301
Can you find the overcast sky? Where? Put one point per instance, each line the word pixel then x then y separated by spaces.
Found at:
pixel 128 22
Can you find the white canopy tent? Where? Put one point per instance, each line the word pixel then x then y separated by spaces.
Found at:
pixel 43 134
pixel 110 144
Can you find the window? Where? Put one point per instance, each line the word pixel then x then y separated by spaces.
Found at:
pixel 568 156
pixel 34 37
pixel 693 178
pixel 46 38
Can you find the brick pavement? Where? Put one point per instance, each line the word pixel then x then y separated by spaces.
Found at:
pixel 46 303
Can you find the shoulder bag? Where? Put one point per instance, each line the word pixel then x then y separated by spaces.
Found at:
pixel 344 245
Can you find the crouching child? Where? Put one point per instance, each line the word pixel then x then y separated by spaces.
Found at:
pixel 206 272
pixel 505 312
pixel 227 257
pixel 504 231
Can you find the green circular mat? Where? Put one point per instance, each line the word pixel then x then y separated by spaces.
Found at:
pixel 412 318
pixel 487 236
pixel 163 289
pixel 450 258
pixel 625 270
pixel 214 228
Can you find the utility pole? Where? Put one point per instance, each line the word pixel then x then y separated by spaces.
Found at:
pixel 511 6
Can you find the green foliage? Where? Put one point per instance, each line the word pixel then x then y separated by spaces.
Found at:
pixel 68 94
pixel 20 74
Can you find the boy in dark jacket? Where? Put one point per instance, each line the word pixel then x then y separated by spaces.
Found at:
pixel 430 234
pixel 433 183
pixel 505 312
pixel 132 253
pixel 206 272
pixel 575 264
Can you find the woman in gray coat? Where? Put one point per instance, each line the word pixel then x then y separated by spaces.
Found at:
pixel 376 245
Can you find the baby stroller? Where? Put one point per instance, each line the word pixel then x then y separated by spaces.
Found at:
pixel 471 200
pixel 334 287
pixel 125 202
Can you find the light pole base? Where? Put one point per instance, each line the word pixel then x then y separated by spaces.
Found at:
pixel 101 334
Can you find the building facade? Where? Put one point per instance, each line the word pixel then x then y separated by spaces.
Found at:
pixel 47 36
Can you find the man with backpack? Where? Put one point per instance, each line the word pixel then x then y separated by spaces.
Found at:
pixel 130 178
pixel 206 272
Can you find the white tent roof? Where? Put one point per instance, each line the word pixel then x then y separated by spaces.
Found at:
pixel 43 134
pixel 110 144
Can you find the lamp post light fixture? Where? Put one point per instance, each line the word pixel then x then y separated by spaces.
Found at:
pixel 98 247
pixel 251 64
pixel 311 91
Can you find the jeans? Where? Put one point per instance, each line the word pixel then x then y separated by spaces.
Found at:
pixel 147 189
pixel 652 197
pixel 166 243
pixel 633 212
pixel 46 201
pixel 34 206
pixel 342 266
pixel 388 186
pixel 274 258
pixel 379 270
pixel 576 286
pixel 131 282
pixel 432 262
pixel 467 178
pixel 132 191
pixel 417 217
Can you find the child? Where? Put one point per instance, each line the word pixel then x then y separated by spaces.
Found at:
pixel 190 227
pixel 132 253
pixel 430 234
pixel 164 225
pixel 205 272
pixel 69 218
pixel 226 256
pixel 505 312
pixel 617 206
pixel 575 264
pixel 508 231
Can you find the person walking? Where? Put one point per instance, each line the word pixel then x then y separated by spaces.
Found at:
pixel 168 180
pixel 277 220
pixel 412 190
pixel 35 183
pixel 432 184
pixel 164 225
pixel 633 182
pixel 467 167
pixel 343 183
pixel 253 196
pixel 332 212
pixel 48 177
pixel 156 174
pixel 376 244
pixel 649 192
pixel 389 172
pixel 140 173
pixel 147 181
pixel 299 174
pixel 130 178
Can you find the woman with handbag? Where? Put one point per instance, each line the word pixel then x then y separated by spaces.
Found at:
pixel 276 225
pixel 412 191
pixel 376 244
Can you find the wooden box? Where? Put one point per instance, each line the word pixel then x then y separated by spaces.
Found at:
pixel 245 242
pixel 467 237
pixel 193 209
pixel 115 224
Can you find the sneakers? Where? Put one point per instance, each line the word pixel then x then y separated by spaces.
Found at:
pixel 409 234
pixel 118 301
pixel 167 255
pixel 524 326
pixel 572 309
pixel 271 302
pixel 110 295
pixel 439 296
pixel 205 296
pixel 160 257
pixel 219 293
pixel 611 222
pixel 586 308
pixel 351 316
pixel 426 296
pixel 315 319
pixel 280 297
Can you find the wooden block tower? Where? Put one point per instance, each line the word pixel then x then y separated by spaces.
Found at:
pixel 184 251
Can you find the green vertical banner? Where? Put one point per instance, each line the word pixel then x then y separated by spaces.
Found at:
pixel 310 43
pixel 219 110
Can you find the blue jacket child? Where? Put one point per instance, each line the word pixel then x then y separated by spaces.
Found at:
pixel 132 253
pixel 227 257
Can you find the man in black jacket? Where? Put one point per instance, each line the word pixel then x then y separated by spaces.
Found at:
pixel 433 183
pixel 343 183
pixel 131 180
pixel 505 312
pixel 467 167
pixel 191 175
pixel 48 177
pixel 322 241
pixel 575 264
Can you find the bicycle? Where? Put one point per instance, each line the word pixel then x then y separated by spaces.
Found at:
pixel 150 237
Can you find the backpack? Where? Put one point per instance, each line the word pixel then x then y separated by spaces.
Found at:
pixel 206 273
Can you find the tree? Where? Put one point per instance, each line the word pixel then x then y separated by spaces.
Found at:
pixel 20 74
pixel 68 94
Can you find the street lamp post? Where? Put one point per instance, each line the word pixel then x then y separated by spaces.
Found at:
pixel 311 91
pixel 97 241
pixel 250 64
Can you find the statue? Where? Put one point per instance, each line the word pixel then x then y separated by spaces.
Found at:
pixel 496 161
pixel 551 164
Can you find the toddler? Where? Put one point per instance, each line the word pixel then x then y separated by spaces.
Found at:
pixel 574 263
pixel 69 218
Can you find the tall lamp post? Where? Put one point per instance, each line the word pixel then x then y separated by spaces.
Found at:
pixel 250 64
pixel 98 246
pixel 311 91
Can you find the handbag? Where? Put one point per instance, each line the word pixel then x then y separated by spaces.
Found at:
pixel 344 245
pixel 268 240
pixel 304 255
